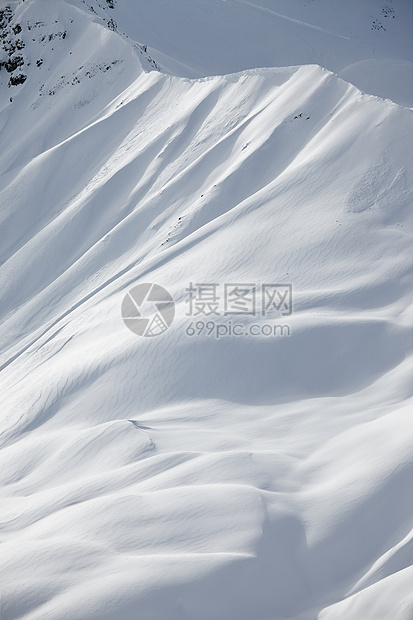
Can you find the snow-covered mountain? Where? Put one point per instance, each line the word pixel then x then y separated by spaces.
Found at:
pixel 253 461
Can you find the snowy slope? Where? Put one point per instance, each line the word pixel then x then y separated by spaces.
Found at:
pixel 194 477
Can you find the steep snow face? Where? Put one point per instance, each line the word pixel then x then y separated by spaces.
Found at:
pixel 71 64
pixel 200 474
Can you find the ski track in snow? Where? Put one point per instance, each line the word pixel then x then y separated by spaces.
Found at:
pixel 286 18
pixel 194 478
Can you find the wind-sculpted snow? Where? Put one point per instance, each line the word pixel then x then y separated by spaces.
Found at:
pixel 203 477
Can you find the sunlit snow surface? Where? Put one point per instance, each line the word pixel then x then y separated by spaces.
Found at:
pixel 185 477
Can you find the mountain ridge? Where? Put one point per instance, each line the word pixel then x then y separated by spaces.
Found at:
pixel 200 474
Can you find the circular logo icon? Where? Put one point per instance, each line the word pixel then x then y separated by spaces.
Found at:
pixel 148 310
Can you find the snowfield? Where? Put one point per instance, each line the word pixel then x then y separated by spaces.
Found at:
pixel 237 466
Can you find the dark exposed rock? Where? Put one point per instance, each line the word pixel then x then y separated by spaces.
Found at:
pixel 15 80
pixel 13 63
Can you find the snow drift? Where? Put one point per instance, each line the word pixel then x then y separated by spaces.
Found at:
pixel 185 476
